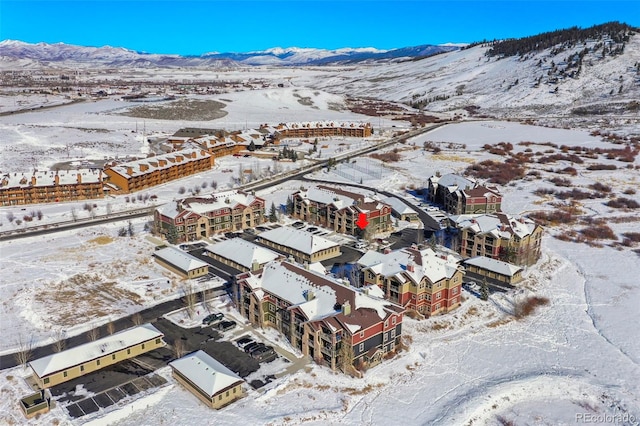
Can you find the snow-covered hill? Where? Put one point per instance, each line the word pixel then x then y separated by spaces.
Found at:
pixel 535 83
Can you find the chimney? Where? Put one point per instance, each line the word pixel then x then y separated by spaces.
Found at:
pixel 79 178
pixel 346 308
pixel 129 170
pixel 387 250
pixel 309 295
pixel 33 180
pixel 255 265
pixel 411 267
pixel 144 167
pixel 56 179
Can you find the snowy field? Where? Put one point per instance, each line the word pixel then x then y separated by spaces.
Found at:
pixel 576 356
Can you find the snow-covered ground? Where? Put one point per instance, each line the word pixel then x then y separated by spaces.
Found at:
pixel 579 355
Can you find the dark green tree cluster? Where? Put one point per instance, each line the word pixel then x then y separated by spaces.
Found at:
pixel 618 33
pixel 288 153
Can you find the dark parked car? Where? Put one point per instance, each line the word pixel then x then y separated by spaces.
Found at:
pixel 211 318
pixel 252 346
pixel 265 353
pixel 225 325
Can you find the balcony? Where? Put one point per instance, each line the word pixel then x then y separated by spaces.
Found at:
pixel 328 350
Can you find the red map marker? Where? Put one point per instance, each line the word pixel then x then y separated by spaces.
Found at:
pixel 362 221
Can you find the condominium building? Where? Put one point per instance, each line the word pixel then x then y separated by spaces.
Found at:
pixel 190 219
pixel 334 324
pixel 499 236
pixel 461 195
pixel 51 187
pixel 340 210
pixel 421 280
pixel 141 174
pixel 322 129
pixel 303 246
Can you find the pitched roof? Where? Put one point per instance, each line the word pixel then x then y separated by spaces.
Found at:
pixel 500 225
pixel 317 295
pixel 80 354
pixel 242 252
pixel 206 372
pixel 219 200
pixel 302 241
pixel 179 259
pixel 493 265
pixel 154 163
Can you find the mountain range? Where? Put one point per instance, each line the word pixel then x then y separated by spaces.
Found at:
pixel 18 52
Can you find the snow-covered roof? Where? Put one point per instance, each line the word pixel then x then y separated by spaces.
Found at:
pixel 206 373
pixel 179 259
pixel 454 181
pixel 398 206
pixel 302 241
pixel 317 295
pixel 320 124
pixel 399 263
pixel 325 195
pixel 159 162
pixel 493 265
pixel 500 225
pixel 242 252
pixel 48 178
pixel 80 354
pixel 220 200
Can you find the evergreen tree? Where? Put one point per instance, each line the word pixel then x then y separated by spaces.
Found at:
pixel 289 205
pixel 172 234
pixel 272 213
pixel 252 146
pixel 484 290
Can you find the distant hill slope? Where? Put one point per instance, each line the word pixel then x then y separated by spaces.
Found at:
pixel 594 68
pixel 61 54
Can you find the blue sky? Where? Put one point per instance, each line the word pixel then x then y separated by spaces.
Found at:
pixel 200 26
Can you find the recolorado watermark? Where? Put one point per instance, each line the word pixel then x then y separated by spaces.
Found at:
pixel 622 418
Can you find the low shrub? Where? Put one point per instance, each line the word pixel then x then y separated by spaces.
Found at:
pixel 527 306
pixel 602 167
pixel 623 203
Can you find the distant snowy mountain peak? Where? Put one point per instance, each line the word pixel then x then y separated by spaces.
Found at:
pixel 119 56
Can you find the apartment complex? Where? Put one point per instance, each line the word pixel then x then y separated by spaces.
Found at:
pixel 63 366
pixel 322 129
pixel 51 187
pixel 499 236
pixel 499 272
pixel 181 263
pixel 241 254
pixel 333 323
pixel 190 219
pixel 340 210
pixel 422 280
pixel 146 173
pixel 461 195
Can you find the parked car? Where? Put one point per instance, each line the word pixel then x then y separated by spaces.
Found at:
pixel 260 348
pixel 264 354
pixel 225 325
pixel 360 245
pixel 473 286
pixel 211 318
pixel 244 341
pixel 252 346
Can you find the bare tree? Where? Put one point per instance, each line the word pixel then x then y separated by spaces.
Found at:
pixel 59 343
pixel 137 319
pixel 189 299
pixel 25 351
pixel 111 328
pixel 178 348
pixel 93 334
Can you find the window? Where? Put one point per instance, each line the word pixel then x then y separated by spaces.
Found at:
pixel 46 380
pixel 362 334
pixel 64 374
pixel 143 346
pixel 393 320
pixel 384 337
pixel 220 397
pixel 113 357
pixel 98 362
pixel 234 390
pixel 361 347
pixel 128 351
pixel 438 295
pixel 386 324
pixel 393 334
pixel 82 368
pixel 226 394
